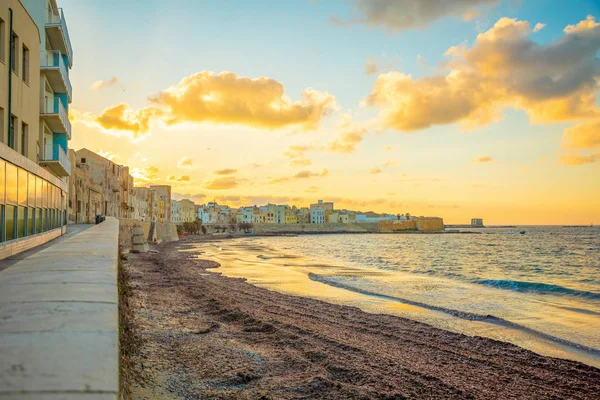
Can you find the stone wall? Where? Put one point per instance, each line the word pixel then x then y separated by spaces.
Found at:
pixel 153 231
pixel 424 224
pixel 299 228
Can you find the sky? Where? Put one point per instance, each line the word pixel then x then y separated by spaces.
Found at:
pixel 464 109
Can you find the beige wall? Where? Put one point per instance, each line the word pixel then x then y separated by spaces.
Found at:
pixel 421 224
pixel 25 96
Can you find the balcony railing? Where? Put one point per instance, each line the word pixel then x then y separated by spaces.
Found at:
pixel 55 107
pixel 57 18
pixel 53 59
pixel 54 153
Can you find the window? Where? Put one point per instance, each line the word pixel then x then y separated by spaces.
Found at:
pixel 78 206
pixel 2 37
pixel 24 131
pixel 83 160
pixel 9 218
pixel 21 222
pixel 25 64
pixel 31 190
pixel 30 220
pixel 14 49
pixel 22 193
pixel 38 221
pixel 11 183
pixel 2 182
pixel 11 133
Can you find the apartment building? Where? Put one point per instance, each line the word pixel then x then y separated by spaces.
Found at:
pixel 176 212
pixel 163 193
pixel 188 210
pixel 33 137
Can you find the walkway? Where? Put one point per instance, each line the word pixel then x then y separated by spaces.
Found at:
pixel 72 230
pixel 59 319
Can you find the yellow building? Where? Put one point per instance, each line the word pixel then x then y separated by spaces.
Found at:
pixel 188 210
pixel 291 217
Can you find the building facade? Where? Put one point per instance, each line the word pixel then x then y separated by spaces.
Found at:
pixel 33 171
pixel 188 210
pixel 176 213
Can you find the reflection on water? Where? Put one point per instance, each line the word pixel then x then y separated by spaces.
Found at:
pixel 540 291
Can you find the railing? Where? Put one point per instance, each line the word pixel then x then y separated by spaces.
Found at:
pixel 53 59
pixel 55 152
pixel 55 106
pixel 57 17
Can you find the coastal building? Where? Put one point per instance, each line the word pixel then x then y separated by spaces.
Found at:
pixel 303 215
pixel 421 224
pixel 244 215
pixel 176 212
pixel 163 194
pixel 188 211
pixel 477 222
pixel 291 216
pixel 374 217
pixel 33 135
pixel 341 217
pixel 320 211
pixel 110 177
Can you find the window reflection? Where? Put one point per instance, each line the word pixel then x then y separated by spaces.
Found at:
pixel 11 184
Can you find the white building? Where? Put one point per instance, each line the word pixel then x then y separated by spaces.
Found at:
pixel 176 212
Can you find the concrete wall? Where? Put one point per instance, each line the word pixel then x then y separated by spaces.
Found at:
pixel 59 320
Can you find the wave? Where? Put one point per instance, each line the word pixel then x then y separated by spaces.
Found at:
pixel 537 287
pixel 456 313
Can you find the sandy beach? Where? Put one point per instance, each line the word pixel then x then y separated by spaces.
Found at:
pixel 203 335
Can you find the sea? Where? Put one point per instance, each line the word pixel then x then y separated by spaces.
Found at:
pixel 539 289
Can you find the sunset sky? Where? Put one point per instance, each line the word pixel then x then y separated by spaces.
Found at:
pixel 481 108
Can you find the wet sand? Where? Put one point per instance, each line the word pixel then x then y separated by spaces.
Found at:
pixel 206 336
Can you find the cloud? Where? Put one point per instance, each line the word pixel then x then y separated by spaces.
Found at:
pixel 145 175
pixel 399 15
pixel 375 171
pixel 104 84
pixel 226 99
pixel 482 159
pixel 228 182
pixel 108 155
pixel 275 181
pixel 300 162
pixel 312 189
pixel 538 27
pixel 579 160
pixel 182 178
pixel 347 141
pixel 226 171
pixel 371 67
pixel 504 68
pixel 196 198
pixel 185 162
pixel 390 163
pixel 308 174
pixel 297 151
pixel 582 136
pixel 122 118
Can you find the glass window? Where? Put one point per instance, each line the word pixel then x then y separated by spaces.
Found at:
pixel 22 187
pixel 45 194
pixel 9 217
pixel 31 191
pixel 46 219
pixel 11 183
pixel 2 223
pixel 38 221
pixel 21 221
pixel 2 183
pixel 30 221
pixel 39 192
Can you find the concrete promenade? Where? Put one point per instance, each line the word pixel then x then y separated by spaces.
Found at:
pixel 59 320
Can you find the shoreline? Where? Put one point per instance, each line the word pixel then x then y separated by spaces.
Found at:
pixel 211 336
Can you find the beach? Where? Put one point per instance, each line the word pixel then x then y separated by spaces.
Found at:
pixel 203 335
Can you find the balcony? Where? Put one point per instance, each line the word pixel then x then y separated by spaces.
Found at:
pixel 58 34
pixel 56 160
pixel 51 62
pixel 55 115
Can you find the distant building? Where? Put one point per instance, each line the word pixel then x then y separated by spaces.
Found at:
pixel 477 222
pixel 163 192
pixel 188 210
pixel 176 215
pixel 373 217
pixel 320 211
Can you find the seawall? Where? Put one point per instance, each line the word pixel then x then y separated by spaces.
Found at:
pixel 59 324
pixel 153 232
